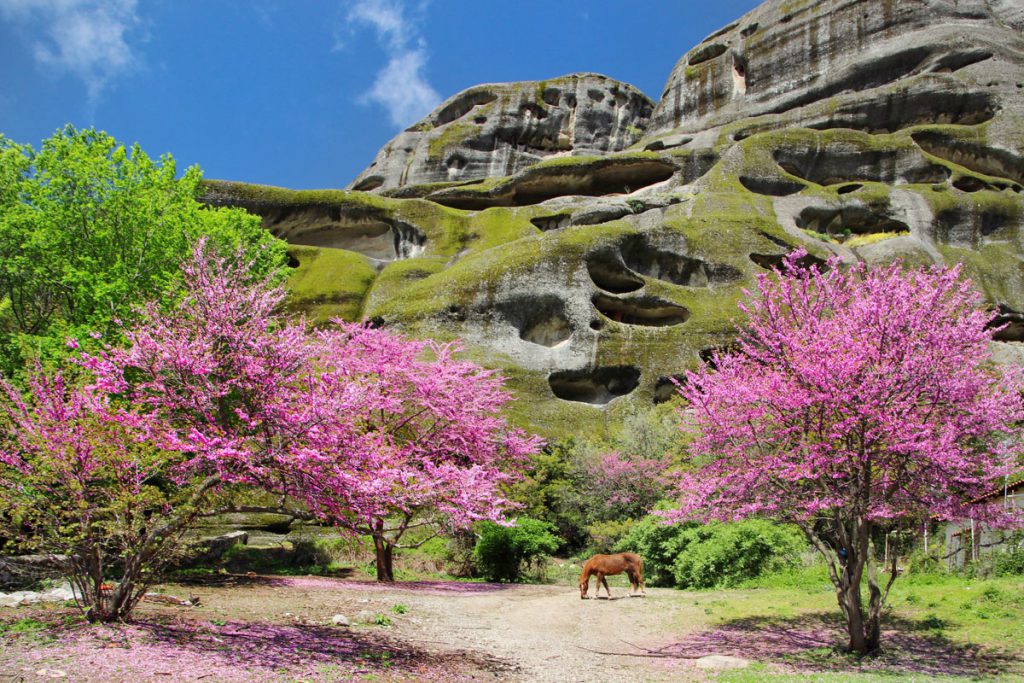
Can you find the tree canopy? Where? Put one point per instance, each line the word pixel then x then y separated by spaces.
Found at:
pixel 855 401
pixel 90 229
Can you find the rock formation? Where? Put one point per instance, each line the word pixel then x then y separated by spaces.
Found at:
pixel 593 245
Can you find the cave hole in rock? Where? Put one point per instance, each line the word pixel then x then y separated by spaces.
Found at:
pixel 972 155
pixel 848 220
pixel 906 108
pixel 749 30
pixel 597 324
pixel 837 165
pixel 609 273
pixel 773 187
pixel 552 222
pixel 642 257
pixel 739 73
pixel 665 389
pixel 967 183
pixel 706 53
pixel 369 183
pixel 596 386
pixel 595 94
pixel 536 185
pixel 647 311
pixel 551 96
pixel 775 261
pixel 532 110
pixel 847 189
pixel 376 237
pixel 292 261
pixel 612 177
pixel 954 61
pixel 1014 325
pixel 539 319
pixel 870 72
pixel 668 143
pixel 462 105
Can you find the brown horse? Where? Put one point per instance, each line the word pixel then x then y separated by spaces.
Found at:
pixel 605 565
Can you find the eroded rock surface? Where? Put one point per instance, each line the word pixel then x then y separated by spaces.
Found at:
pixel 594 246
pixel 502 128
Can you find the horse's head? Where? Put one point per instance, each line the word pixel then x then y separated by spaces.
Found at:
pixel 584 586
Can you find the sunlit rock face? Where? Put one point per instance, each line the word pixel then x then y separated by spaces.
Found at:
pixel 593 245
pixel 502 128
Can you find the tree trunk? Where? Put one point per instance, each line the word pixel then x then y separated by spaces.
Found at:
pixel 848 594
pixel 384 550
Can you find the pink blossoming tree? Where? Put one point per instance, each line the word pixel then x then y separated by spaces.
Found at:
pixel 80 488
pixel 373 432
pixel 855 400
pixel 353 426
pixel 428 448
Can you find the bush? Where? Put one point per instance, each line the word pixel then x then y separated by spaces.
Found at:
pixel 1011 562
pixel 716 555
pixel 723 555
pixel 503 553
pixel 656 542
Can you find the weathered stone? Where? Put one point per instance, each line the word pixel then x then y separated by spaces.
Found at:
pixel 591 246
pixel 340 620
pixel 500 129
pixel 214 548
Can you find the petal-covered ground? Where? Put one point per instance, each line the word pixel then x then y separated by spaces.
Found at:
pixel 261 628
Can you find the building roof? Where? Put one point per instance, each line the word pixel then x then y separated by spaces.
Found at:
pixel 1015 484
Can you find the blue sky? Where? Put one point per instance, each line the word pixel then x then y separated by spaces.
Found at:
pixel 302 93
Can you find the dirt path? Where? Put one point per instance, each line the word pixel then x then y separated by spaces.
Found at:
pixel 527 633
pixel 546 633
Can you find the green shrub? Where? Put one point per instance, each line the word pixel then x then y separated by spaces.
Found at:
pixel 1010 563
pixel 713 555
pixel 503 553
pixel 920 563
pixel 721 555
pixel 605 535
pixel 658 543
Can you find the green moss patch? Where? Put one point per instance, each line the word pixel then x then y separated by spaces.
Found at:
pixel 328 283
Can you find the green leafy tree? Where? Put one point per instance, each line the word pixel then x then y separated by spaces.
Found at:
pixel 89 229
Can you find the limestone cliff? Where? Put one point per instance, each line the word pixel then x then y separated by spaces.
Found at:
pixel 592 245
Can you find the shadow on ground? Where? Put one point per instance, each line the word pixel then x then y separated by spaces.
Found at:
pixel 433 587
pixel 814 642
pixel 290 647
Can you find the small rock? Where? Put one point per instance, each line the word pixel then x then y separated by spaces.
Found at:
pixel 52 673
pixel 340 620
pixel 722 662
pixel 9 601
pixel 59 594
pixel 25 597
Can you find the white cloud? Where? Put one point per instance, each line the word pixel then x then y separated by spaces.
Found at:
pixel 400 86
pixel 86 38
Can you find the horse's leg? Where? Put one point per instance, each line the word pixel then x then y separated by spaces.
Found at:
pixel 632 582
pixel 606 588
